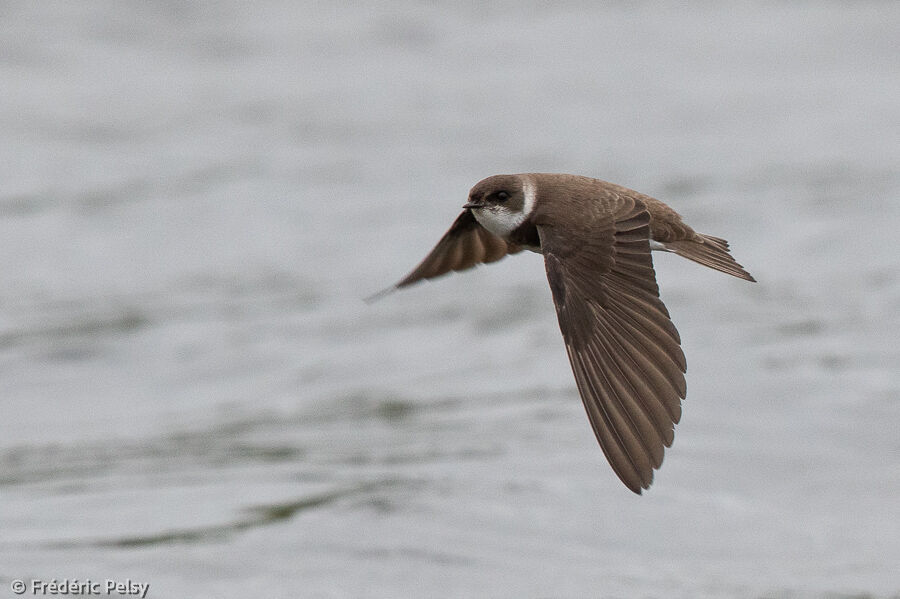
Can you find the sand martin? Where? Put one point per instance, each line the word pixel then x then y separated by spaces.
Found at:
pixel 596 239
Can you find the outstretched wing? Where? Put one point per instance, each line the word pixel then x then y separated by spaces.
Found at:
pixel 624 350
pixel 463 246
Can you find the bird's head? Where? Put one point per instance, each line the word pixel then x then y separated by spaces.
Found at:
pixel 501 203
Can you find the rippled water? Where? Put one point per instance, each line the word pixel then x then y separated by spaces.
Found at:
pixel 194 200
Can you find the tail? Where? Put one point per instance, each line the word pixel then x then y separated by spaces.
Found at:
pixel 709 251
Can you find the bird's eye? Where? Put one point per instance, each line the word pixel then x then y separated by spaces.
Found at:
pixel 502 196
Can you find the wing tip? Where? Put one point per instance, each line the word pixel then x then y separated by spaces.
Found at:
pixel 639 488
pixel 378 295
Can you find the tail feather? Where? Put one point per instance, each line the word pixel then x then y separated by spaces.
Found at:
pixel 717 241
pixel 712 252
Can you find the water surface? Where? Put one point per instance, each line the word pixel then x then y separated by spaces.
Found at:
pixel 194 200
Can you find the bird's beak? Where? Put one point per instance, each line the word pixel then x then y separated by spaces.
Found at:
pixel 470 204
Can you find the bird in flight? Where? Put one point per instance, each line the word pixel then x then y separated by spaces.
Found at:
pixel 596 238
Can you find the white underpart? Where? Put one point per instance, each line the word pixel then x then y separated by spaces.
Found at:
pixel 501 220
pixel 661 247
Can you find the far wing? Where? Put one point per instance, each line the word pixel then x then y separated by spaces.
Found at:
pixel 463 246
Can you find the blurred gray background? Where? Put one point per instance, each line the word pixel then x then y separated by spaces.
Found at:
pixel 194 198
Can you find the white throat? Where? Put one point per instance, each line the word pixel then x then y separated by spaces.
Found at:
pixel 501 220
